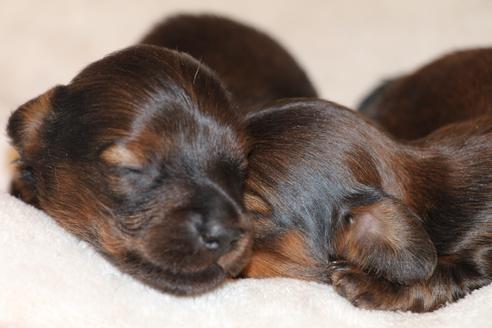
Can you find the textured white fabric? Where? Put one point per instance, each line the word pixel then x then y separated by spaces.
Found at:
pixel 50 279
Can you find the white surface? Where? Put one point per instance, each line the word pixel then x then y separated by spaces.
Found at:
pixel 49 279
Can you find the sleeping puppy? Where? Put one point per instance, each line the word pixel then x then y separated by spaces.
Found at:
pixel 253 66
pixel 392 226
pixel 142 155
pixel 454 88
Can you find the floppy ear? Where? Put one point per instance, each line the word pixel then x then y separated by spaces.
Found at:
pixel 23 128
pixel 26 122
pixel 385 237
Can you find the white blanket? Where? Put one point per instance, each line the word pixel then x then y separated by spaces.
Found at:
pixel 50 279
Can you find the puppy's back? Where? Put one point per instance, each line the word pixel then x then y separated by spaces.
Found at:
pixel 454 88
pixel 254 67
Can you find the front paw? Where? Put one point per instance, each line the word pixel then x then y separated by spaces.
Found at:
pixel 361 289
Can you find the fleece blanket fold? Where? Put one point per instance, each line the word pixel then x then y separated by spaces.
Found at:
pixel 48 278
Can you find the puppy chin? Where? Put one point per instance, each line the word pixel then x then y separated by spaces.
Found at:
pixel 190 280
pixel 170 280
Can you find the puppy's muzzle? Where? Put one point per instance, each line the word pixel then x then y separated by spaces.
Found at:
pixel 214 234
pixel 210 229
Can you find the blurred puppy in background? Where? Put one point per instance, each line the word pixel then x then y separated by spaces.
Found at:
pixel 254 68
pixel 452 89
pixel 142 153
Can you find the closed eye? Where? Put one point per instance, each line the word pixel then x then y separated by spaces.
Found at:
pixel 136 179
pixel 25 171
pixel 131 170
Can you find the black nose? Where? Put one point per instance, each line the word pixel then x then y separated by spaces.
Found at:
pixel 215 236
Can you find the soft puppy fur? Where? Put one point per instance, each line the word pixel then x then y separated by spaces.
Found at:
pixel 453 88
pixel 118 158
pixel 142 153
pixel 254 67
pixel 392 225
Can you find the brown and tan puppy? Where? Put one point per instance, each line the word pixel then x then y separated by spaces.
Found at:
pixel 142 154
pixel 393 226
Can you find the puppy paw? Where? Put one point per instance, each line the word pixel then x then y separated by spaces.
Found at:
pixel 361 289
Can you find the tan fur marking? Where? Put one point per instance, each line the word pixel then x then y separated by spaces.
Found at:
pixel 376 221
pixel 289 257
pixel 372 229
pixel 257 205
pixel 109 243
pixel 122 156
pixel 33 115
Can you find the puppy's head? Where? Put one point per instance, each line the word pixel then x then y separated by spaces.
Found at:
pixel 140 155
pixel 327 174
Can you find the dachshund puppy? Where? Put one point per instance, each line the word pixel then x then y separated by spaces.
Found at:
pixel 142 154
pixel 392 226
pixel 253 66
pixel 452 89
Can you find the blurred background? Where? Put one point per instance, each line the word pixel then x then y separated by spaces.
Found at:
pixel 346 46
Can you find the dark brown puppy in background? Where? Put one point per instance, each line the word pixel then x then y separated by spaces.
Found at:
pixel 141 154
pixel 452 89
pixel 253 66
pixel 394 226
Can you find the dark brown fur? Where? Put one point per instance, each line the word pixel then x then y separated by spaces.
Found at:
pixel 454 88
pixel 253 66
pixel 395 226
pixel 142 153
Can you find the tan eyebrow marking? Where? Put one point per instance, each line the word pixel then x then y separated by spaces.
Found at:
pixel 122 156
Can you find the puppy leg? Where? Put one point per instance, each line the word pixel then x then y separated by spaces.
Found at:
pixel 452 279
